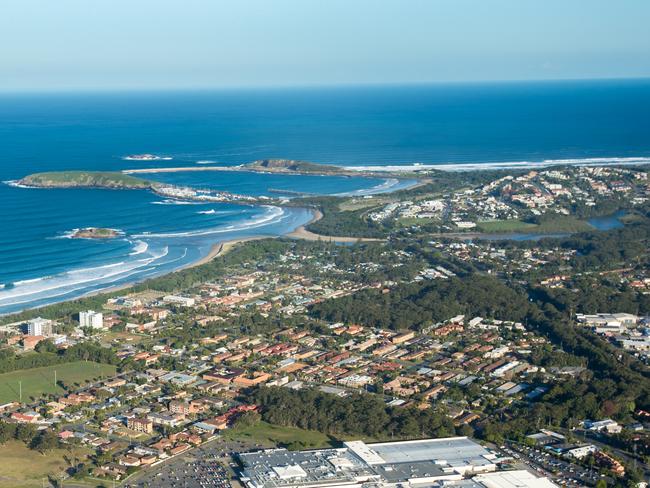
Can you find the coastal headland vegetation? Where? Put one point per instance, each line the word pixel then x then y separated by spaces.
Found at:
pixel 85 179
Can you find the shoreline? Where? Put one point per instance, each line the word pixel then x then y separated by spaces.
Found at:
pixel 416 168
pixel 218 249
pixel 221 249
pixel 413 169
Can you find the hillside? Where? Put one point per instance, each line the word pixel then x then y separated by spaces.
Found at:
pixel 292 166
pixel 84 179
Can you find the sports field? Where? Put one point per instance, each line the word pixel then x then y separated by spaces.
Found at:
pixel 40 381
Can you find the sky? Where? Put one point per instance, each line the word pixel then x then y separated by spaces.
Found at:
pixel 183 44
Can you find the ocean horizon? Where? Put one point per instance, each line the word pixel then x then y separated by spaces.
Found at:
pixel 475 125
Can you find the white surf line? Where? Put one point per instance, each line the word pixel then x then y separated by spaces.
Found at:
pixel 614 161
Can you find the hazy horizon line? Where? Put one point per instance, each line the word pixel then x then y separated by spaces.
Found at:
pixel 306 86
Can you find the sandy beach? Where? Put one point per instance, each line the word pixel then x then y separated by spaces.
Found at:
pixel 300 233
pixel 222 248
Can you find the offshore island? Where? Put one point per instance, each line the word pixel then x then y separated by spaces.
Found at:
pixel 95 233
pixel 118 181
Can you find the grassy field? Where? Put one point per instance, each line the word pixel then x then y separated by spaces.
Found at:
pixel 270 435
pixel 409 221
pixel 506 226
pixel 358 203
pixel 40 381
pixel 558 224
pixel 20 467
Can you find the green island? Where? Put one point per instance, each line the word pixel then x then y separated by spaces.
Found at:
pixel 85 179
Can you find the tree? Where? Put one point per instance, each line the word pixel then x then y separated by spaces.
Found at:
pixel 25 432
pixel 247 419
pixel 7 431
pixel 46 441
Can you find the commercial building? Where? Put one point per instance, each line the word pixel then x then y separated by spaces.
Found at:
pixel 616 321
pixel 504 479
pixel 39 327
pixel 178 300
pixel 91 319
pixel 387 464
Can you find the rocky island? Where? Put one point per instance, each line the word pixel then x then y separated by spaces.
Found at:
pixel 95 233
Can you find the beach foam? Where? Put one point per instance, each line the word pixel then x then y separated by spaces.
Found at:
pixel 383 187
pixel 271 215
pixel 68 282
pixel 628 161
pixel 139 248
pixel 176 202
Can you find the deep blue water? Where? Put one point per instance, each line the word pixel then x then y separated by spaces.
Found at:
pixel 347 126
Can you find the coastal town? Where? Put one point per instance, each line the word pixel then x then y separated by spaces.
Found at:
pixel 342 244
pixel 200 368
pixel 564 192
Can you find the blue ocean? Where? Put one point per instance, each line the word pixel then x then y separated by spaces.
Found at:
pixel 435 124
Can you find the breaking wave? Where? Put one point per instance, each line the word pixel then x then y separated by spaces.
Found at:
pixel 271 215
pixel 139 248
pixel 615 161
pixel 176 202
pixel 74 280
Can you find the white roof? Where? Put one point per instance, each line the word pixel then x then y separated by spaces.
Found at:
pixel 364 452
pixel 288 472
pixel 513 479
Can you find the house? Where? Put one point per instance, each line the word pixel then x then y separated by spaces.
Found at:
pixel 246 380
pixel 604 459
pixel 403 337
pixel 176 406
pixel 140 425
pixel 25 418
pixel 115 383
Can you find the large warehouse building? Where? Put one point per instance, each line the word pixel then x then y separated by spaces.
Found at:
pixel 421 463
